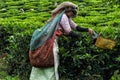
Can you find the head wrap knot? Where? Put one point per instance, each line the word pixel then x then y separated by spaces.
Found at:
pixel 67 6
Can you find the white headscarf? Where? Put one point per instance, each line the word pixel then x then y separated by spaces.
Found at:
pixel 68 6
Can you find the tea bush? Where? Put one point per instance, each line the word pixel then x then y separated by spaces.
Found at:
pixel 89 62
pixel 79 59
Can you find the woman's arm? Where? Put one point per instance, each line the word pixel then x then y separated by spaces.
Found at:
pixel 79 28
pixel 67 27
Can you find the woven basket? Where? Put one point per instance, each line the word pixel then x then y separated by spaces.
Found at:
pixel 105 43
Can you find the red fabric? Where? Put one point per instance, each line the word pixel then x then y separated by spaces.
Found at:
pixel 43 56
pixel 59 32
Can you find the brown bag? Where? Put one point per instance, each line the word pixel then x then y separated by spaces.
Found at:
pixel 43 56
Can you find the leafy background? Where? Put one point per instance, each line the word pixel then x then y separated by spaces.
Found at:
pixel 79 59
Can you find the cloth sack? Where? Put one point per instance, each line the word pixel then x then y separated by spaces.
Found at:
pixel 42 41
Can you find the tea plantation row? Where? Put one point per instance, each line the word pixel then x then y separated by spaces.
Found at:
pixel 79 59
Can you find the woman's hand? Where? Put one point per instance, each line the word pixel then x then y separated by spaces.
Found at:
pixel 91 31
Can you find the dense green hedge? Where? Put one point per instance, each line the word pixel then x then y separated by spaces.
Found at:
pixel 79 59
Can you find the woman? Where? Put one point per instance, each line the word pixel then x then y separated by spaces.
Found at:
pixel 65 26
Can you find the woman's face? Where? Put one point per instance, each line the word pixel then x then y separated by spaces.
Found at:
pixel 69 14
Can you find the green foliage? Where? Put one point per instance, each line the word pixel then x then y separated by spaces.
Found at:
pixel 12 78
pixel 79 59
pixel 116 76
pixel 89 62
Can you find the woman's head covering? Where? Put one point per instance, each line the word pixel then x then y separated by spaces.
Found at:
pixel 67 6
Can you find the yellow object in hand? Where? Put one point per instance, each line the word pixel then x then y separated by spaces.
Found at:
pixel 105 43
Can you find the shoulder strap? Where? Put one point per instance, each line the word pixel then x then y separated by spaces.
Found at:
pixel 39 37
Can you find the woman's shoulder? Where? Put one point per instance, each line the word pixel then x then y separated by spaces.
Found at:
pixel 64 16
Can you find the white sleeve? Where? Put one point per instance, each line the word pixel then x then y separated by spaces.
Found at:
pixel 72 24
pixel 65 24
